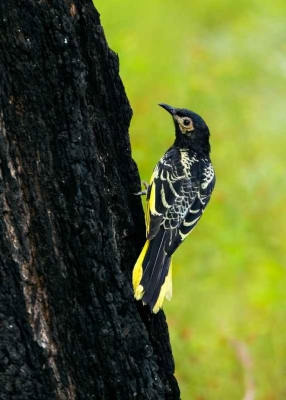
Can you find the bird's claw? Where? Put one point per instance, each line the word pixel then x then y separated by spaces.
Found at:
pixel 143 192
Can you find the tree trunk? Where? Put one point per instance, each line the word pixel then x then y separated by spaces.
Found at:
pixel 71 228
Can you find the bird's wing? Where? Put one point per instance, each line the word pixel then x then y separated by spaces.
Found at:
pixel 189 207
pixel 165 187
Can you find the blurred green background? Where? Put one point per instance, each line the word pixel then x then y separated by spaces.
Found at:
pixel 225 60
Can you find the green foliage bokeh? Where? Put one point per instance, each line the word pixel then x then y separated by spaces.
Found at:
pixel 226 61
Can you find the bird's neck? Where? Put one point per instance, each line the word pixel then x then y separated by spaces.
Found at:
pixel 199 145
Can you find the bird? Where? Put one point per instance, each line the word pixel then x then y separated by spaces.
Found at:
pixel 177 195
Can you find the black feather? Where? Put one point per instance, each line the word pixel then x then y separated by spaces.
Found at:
pixel 184 180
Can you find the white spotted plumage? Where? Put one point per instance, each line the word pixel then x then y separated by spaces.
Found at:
pixel 192 177
pixel 180 188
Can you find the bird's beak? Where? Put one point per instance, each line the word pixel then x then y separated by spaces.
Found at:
pixel 170 109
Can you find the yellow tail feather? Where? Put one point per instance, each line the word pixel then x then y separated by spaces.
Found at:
pixel 166 291
pixel 138 272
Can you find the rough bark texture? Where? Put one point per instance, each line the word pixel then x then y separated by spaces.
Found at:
pixel 70 227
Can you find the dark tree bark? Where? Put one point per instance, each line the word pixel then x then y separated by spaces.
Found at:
pixel 70 227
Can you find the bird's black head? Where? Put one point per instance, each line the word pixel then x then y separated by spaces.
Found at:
pixel 191 130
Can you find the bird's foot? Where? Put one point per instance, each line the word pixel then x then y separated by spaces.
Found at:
pixel 143 192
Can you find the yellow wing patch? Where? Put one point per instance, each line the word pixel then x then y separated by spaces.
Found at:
pixel 151 202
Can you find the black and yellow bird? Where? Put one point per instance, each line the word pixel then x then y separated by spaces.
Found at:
pixel 180 188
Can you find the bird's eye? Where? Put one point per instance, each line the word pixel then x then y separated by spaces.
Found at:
pixel 186 121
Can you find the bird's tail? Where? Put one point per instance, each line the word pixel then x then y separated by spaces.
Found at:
pixel 152 273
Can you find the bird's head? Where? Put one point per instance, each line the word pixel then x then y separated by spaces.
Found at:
pixel 191 130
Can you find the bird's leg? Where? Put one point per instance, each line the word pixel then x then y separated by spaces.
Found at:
pixel 143 192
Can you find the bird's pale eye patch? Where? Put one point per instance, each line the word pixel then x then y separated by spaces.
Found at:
pixel 185 124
